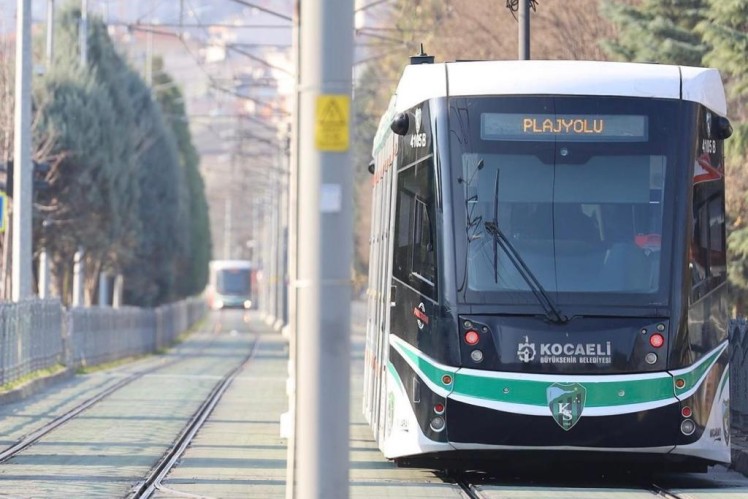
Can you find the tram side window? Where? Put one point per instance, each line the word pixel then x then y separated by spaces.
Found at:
pixel 415 251
pixel 404 230
pixel 423 254
pixel 708 253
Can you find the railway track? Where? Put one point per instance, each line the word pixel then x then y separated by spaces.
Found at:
pixel 469 489
pixel 664 493
pixel 474 486
pixel 33 437
pixel 152 483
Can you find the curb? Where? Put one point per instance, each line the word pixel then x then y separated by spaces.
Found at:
pixel 36 386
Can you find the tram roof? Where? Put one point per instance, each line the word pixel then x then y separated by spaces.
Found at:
pixel 230 264
pixel 422 82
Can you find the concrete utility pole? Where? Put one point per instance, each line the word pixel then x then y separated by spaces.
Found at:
pixel 282 236
pixel 288 420
pixel 49 56
pixel 119 284
pixel 50 32
pixel 84 33
pixel 149 58
pixel 22 206
pixel 227 229
pixel 524 29
pixel 325 228
pixel 78 278
pixel 44 274
pixel 275 243
pixel 103 289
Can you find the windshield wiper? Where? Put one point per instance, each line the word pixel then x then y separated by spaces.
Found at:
pixel 551 310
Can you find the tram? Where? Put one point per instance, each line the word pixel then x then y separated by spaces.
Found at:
pixel 230 284
pixel 548 264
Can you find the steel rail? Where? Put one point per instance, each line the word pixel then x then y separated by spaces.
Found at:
pixel 30 439
pixel 462 480
pixel 33 437
pixel 152 482
pixel 663 492
pixel 471 491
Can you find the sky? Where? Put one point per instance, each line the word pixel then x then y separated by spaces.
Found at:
pixel 154 11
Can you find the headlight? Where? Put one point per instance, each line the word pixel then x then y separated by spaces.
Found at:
pixel 218 304
pixel 247 303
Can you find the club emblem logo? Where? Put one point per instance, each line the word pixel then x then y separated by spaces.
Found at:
pixel 526 351
pixel 566 401
pixel 418 120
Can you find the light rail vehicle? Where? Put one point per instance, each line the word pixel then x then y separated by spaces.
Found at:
pixel 547 265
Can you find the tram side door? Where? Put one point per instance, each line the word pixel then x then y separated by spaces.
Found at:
pixel 384 312
pixel 379 297
pixel 372 322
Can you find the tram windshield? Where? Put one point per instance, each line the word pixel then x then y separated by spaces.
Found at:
pixel 582 197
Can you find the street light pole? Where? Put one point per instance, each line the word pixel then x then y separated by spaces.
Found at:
pixel 524 29
pixel 22 206
pixel 50 32
pixel 290 420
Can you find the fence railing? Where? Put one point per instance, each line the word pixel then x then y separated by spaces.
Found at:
pixel 30 338
pixel 40 334
pixel 739 384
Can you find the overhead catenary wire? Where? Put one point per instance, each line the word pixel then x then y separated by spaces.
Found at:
pixel 258 59
pixel 215 84
pixel 127 24
pixel 263 9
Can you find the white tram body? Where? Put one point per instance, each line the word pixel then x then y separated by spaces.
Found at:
pixel 426 390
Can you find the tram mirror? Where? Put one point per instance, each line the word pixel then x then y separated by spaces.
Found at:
pixel 400 124
pixel 722 128
pixel 371 167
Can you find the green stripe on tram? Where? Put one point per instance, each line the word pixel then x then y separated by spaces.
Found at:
pixel 424 365
pixel 600 392
pixel 725 377
pixel 530 392
pixel 694 376
pixel 396 375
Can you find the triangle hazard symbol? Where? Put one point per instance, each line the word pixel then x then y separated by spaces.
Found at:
pixel 332 114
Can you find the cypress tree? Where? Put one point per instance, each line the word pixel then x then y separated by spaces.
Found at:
pixel 662 31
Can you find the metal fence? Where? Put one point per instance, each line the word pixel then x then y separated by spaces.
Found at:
pixel 103 334
pixel 739 392
pixel 175 318
pixel 39 334
pixel 30 338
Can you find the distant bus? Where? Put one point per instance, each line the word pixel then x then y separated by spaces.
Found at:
pixel 230 284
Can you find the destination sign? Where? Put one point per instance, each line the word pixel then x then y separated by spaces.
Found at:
pixel 567 127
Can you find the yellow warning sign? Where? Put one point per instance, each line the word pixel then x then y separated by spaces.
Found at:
pixel 331 124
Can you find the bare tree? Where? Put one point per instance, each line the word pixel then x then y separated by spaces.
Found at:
pixel 570 29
